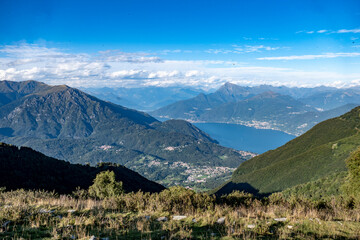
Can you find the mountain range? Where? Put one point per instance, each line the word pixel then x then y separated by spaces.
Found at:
pixel 68 124
pixel 318 153
pixel 143 98
pixel 292 110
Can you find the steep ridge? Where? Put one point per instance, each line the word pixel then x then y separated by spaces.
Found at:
pixel 22 167
pixel 317 153
pixel 10 91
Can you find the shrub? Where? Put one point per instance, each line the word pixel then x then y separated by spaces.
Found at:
pixel 237 198
pixel 352 184
pixel 105 186
pixel 179 200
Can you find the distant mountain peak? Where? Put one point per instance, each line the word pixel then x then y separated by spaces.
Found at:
pixel 230 88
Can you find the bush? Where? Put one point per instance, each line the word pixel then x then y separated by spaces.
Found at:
pixel 180 200
pixel 352 184
pixel 105 186
pixel 237 198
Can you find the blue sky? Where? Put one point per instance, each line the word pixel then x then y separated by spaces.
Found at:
pixel 191 43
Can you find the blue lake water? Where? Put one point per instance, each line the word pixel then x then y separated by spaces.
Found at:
pixel 245 138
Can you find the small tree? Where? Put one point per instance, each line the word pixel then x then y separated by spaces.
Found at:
pixel 352 184
pixel 105 186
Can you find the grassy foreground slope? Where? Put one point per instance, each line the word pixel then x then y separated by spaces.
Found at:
pixel 316 154
pixel 174 213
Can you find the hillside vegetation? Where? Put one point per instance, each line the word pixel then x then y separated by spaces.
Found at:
pixel 22 167
pixel 316 154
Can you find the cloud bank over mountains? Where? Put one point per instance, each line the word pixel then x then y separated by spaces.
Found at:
pixel 114 68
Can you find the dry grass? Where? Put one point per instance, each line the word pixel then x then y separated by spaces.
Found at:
pixel 133 216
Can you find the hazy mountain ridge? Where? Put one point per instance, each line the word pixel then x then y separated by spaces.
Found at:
pixel 143 98
pixel 292 110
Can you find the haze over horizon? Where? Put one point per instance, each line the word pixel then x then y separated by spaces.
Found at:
pixel 200 44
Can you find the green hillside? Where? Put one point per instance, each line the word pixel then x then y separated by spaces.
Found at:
pixel 316 154
pixel 324 188
pixel 22 167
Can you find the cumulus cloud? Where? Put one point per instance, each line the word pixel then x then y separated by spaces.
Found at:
pixel 311 57
pixel 116 68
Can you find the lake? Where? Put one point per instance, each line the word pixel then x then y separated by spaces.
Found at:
pixel 245 138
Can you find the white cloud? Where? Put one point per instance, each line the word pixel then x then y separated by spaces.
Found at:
pixel 222 51
pixel 119 56
pixel 115 68
pixel 349 30
pixel 311 57
pixel 242 49
pixel 322 31
pixel 129 74
pixel 192 73
pixel 356 30
pixel 258 48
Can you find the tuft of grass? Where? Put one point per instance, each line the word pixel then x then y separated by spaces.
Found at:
pixel 46 215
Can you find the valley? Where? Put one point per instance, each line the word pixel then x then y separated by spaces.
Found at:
pixel 68 124
pixel 179 120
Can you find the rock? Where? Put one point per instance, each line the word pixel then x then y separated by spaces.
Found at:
pixel 194 220
pixel 179 217
pixel 6 223
pixel 280 219
pixel 221 220
pixel 289 227
pixel 4 226
pixel 251 226
pixel 162 219
pixel 71 211
pixel 45 211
